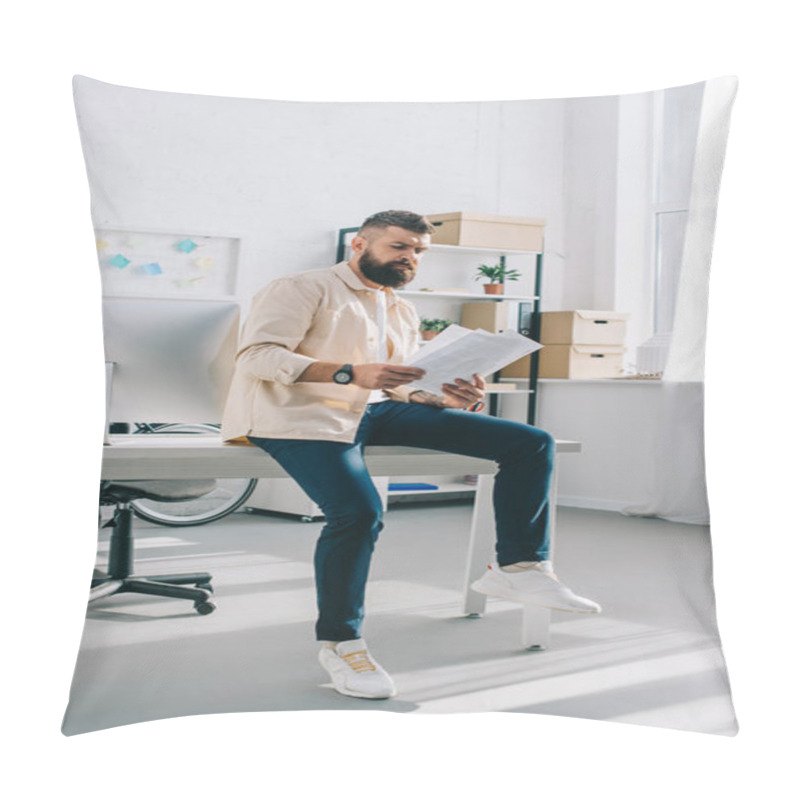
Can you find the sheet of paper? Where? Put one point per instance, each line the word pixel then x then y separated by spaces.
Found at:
pixel 460 352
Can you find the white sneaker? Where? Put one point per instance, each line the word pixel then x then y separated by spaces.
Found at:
pixel 535 586
pixel 355 672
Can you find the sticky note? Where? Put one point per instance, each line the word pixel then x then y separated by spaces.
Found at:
pixel 152 269
pixel 189 283
pixel 119 261
pixel 102 244
pixel 204 263
pixel 186 246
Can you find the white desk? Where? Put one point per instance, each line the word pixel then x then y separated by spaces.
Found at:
pixel 152 456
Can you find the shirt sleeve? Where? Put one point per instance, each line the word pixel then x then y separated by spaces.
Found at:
pixel 400 394
pixel 279 319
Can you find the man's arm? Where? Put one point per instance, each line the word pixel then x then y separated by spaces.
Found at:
pixel 279 319
pixel 367 376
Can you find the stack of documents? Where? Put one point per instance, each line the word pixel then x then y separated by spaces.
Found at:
pixel 461 353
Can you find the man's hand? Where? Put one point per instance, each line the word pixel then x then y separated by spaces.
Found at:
pixel 460 394
pixel 384 376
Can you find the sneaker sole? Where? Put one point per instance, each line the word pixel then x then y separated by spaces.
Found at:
pixel 526 599
pixel 349 692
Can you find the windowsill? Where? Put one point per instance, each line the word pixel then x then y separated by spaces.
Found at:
pixel 606 381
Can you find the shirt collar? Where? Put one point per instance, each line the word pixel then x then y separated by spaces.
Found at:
pixel 344 271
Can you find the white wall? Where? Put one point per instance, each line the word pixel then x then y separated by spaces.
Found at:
pixel 633 253
pixel 590 190
pixel 284 176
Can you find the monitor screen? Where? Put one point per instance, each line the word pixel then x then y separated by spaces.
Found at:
pixel 172 359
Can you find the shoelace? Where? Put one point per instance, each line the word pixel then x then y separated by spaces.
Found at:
pixel 359 661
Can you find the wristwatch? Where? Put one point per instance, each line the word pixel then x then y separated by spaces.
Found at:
pixel 344 374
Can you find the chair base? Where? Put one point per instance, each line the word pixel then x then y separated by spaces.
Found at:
pixel 104 585
pixel 120 578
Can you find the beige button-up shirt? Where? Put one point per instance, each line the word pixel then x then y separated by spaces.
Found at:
pixel 321 315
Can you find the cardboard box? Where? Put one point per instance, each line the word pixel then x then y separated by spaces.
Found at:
pixel 571 361
pixel 580 361
pixel 496 317
pixel 521 368
pixel 488 231
pixel 583 327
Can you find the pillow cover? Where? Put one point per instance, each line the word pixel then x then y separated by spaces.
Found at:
pixel 198 202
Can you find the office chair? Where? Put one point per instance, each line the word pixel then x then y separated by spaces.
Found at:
pixel 119 576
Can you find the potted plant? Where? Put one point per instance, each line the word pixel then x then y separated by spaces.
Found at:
pixel 432 327
pixel 497 276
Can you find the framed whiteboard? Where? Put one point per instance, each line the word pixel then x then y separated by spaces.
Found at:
pixel 155 264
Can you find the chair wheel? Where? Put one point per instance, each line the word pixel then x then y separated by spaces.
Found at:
pixel 207 586
pixel 204 607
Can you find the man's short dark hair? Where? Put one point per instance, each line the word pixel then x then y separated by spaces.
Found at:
pixel 402 219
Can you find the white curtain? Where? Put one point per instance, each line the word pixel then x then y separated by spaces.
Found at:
pixel 678 489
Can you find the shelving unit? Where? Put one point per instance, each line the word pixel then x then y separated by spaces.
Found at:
pixel 463 295
pixel 453 484
pixel 443 487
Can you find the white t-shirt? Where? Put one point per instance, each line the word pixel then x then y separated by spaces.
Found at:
pixel 377 395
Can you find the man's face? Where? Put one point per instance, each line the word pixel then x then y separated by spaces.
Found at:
pixel 390 257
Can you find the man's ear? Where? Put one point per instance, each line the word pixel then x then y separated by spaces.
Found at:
pixel 358 245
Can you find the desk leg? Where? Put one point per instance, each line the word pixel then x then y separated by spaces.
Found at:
pixel 481 543
pixel 535 627
pixel 535 620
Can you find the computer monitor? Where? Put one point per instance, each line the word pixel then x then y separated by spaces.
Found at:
pixel 172 359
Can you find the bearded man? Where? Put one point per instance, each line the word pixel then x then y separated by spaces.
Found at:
pixel 320 375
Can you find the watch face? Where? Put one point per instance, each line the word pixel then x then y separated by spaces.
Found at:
pixel 343 375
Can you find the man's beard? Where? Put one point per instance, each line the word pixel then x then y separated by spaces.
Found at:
pixel 384 274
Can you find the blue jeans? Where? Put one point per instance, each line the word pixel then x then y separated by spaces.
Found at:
pixel 334 476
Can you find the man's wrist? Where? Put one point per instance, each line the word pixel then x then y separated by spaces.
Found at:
pixel 343 374
pixel 427 398
pixel 319 372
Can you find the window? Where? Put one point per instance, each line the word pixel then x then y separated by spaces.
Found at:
pixel 676 120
